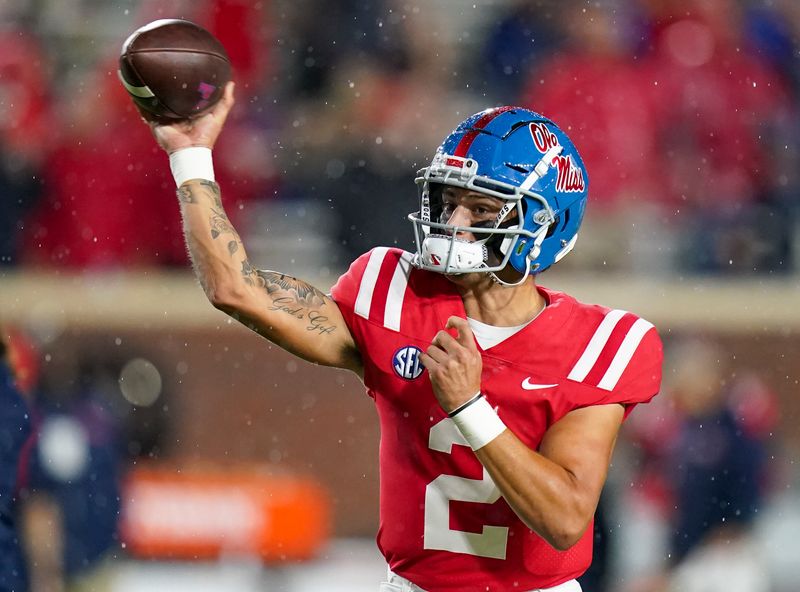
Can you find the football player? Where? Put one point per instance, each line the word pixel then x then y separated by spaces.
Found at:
pixel 499 400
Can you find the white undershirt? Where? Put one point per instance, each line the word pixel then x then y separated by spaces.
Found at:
pixel 488 335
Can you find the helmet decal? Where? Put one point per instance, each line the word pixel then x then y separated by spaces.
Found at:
pixel 570 177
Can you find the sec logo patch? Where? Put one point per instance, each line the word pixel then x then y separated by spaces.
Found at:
pixel 406 362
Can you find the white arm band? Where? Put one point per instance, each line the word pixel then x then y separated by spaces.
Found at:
pixel 479 423
pixel 191 163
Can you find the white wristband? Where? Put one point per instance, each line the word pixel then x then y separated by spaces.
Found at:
pixel 191 163
pixel 479 423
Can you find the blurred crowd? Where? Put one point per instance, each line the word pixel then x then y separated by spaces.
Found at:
pixel 685 112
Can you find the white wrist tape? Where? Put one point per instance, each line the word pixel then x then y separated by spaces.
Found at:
pixel 191 163
pixel 479 423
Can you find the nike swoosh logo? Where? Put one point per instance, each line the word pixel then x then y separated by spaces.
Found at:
pixel 529 386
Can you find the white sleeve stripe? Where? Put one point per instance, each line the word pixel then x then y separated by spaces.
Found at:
pixel 397 292
pixel 624 354
pixel 596 345
pixel 368 281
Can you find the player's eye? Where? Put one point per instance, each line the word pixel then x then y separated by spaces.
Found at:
pixel 484 211
pixel 448 208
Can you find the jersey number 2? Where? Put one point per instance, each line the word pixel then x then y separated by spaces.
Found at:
pixel 446 488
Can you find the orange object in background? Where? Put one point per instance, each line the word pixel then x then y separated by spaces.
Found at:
pixel 204 514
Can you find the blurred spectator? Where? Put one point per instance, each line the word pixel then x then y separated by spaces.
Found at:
pixel 25 128
pixel 72 506
pixel 705 469
pixel 596 91
pixel 358 155
pixel 516 42
pixel 719 455
pixel 14 431
pixel 102 206
pixel 771 30
pixel 244 28
pixel 721 114
pixel 316 46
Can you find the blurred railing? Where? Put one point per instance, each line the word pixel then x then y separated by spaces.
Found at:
pixel 157 299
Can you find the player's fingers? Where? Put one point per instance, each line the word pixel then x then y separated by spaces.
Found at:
pixel 146 116
pixel 428 361
pixel 444 340
pixel 437 354
pixel 464 336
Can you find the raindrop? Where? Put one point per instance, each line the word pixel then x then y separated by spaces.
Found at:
pixel 335 169
pixel 140 382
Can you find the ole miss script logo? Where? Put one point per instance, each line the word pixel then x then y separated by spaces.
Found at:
pixel 406 362
pixel 570 177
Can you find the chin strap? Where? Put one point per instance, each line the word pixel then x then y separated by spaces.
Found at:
pixel 535 250
pixel 506 284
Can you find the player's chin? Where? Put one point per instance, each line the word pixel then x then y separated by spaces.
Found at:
pixel 471 278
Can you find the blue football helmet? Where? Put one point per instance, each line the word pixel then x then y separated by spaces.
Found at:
pixel 517 156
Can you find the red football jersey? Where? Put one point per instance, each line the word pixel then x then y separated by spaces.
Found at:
pixel 443 523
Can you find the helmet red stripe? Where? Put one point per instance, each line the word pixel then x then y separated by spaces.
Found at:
pixel 469 137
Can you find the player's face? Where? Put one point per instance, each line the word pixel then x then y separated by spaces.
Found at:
pixel 463 207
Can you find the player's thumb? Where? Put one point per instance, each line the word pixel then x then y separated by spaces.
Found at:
pixel 220 111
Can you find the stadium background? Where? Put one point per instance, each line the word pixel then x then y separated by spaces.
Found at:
pixel 686 113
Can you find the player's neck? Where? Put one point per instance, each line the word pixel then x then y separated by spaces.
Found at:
pixel 501 306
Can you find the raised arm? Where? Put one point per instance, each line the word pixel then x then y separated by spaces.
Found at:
pixel 289 312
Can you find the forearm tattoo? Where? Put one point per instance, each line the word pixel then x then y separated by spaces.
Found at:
pixel 292 296
pixel 288 295
pixel 190 193
pixel 279 285
pixel 221 225
pixel 186 195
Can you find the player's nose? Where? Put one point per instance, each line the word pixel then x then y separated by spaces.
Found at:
pixel 461 217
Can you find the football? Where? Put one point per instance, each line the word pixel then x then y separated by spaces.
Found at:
pixel 174 69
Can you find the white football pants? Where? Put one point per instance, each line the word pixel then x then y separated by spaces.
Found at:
pixel 397 583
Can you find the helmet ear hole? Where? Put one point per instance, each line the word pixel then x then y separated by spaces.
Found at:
pixel 551 230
